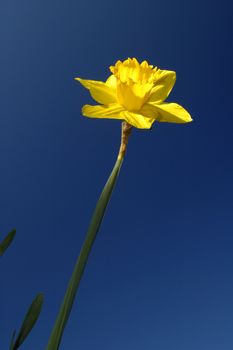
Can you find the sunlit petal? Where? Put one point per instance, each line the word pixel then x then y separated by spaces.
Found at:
pixel 111 111
pixel 164 82
pixel 101 92
pixel 149 111
pixel 171 113
pixel 111 81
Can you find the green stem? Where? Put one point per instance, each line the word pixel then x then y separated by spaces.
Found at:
pixel 65 309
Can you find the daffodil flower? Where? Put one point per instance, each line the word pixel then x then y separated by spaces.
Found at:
pixel 135 93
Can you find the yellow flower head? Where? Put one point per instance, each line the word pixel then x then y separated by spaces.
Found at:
pixel 135 93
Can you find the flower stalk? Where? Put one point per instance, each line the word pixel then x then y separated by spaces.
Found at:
pixel 125 133
pixel 65 309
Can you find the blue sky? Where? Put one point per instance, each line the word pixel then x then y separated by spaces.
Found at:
pixel 160 274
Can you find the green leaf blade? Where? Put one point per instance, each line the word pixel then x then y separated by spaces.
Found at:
pixel 7 241
pixel 29 320
pixel 97 217
pixel 12 340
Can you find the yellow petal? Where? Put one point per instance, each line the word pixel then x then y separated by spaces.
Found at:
pixel 137 120
pixel 115 111
pixel 111 111
pixel 103 93
pixel 164 82
pixel 171 113
pixel 111 81
pixel 149 111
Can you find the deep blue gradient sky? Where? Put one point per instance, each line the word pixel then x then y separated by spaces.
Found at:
pixel 160 276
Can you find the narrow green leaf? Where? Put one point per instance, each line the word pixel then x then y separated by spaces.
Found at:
pixel 7 241
pixel 12 340
pixel 29 320
pixel 65 309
